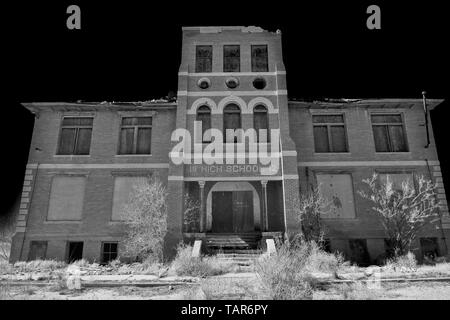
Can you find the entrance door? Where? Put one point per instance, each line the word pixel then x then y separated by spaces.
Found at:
pixel 243 211
pixel 222 211
pixel 232 211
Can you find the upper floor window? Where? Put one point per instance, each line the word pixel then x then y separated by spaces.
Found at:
pixel 135 135
pixel 75 136
pixel 389 133
pixel 259 58
pixel 231 58
pixel 329 133
pixel 203 59
pixel 231 120
pixel 204 116
pixel 261 123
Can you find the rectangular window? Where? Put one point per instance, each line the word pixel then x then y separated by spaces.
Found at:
pixel 38 250
pixel 329 133
pixel 260 58
pixel 203 59
pixel 123 186
pixel 74 251
pixel 75 136
pixel 66 198
pixel 231 58
pixel 135 135
pixel 109 251
pixel 397 179
pixel 359 252
pixel 389 133
pixel 337 189
pixel 429 248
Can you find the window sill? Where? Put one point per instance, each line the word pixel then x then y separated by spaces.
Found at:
pixel 330 153
pixel 132 155
pixel 116 222
pixel 71 155
pixel 394 152
pixel 62 221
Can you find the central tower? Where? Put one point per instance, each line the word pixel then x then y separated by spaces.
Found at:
pixel 233 78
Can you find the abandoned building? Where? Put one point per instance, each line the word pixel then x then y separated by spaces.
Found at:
pixel 85 157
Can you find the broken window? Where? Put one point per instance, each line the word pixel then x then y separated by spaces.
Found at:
pixel 123 186
pixel 74 251
pixel 231 58
pixel 38 250
pixel 75 136
pixel 337 189
pixel 329 133
pixel 203 59
pixel 66 198
pixel 397 179
pixel 261 122
pixel 231 120
pixel 259 58
pixel 429 248
pixel 109 251
pixel 135 135
pixel 204 116
pixel 359 252
pixel 389 133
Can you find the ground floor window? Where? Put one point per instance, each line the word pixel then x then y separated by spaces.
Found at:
pixel 359 252
pixel 337 189
pixel 429 247
pixel 38 250
pixel 109 251
pixel 74 251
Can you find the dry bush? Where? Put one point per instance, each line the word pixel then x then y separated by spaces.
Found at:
pixel 405 262
pixel 321 261
pixel 186 265
pixel 38 265
pixel 146 219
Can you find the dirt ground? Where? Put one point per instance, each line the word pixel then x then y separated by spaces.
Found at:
pixel 229 288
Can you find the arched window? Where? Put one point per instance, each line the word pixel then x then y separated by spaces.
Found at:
pixel 204 116
pixel 231 120
pixel 260 122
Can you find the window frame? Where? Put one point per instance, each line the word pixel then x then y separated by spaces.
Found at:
pixel 387 124
pixel 251 56
pixel 209 112
pixel 266 113
pixel 62 126
pixel 398 171
pixel 328 125
pixel 109 252
pixel 224 58
pixel 196 58
pixel 135 134
pixel 352 180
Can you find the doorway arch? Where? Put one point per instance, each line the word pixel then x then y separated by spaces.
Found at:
pixel 234 186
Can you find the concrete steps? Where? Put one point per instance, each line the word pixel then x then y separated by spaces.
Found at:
pixel 231 242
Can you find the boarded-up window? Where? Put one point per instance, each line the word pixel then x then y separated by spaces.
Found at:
pixel 337 189
pixel 397 179
pixel 259 58
pixel 203 59
pixel 66 198
pixel 75 136
pixel 231 58
pixel 329 133
pixel 38 250
pixel 123 186
pixel 231 120
pixel 109 251
pixel 261 123
pixel 204 116
pixel 135 135
pixel 389 133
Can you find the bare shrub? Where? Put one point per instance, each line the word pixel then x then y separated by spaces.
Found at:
pixel 405 262
pixel 186 265
pixel 284 274
pixel 38 265
pixel 403 212
pixel 146 220
pixel 309 209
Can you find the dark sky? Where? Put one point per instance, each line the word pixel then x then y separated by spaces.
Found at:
pixel 131 51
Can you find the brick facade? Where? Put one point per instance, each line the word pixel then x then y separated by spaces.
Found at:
pixel 299 163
